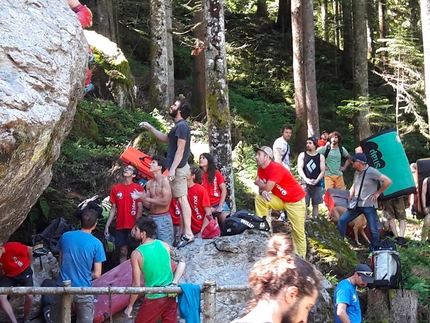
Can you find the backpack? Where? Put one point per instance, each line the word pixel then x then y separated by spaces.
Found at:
pixel 387 268
pixel 328 148
pixel 243 220
pixel 47 240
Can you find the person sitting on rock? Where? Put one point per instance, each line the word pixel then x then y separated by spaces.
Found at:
pixel 15 270
pixel 285 286
pixel 214 183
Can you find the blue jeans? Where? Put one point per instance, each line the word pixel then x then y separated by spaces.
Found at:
pixel 372 222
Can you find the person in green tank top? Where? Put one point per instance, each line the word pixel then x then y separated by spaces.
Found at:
pixel 153 259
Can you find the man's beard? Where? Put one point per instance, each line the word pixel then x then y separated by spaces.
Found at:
pixel 173 113
pixel 290 313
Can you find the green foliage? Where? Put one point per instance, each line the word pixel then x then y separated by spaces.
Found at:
pixel 257 121
pixel 416 270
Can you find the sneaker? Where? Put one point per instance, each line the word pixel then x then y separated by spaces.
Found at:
pixel 184 241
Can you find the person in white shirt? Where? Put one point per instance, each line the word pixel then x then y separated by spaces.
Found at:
pixel 281 148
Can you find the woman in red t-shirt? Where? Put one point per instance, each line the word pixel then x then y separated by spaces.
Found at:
pixel 214 183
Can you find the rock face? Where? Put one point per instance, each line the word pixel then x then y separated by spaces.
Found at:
pixel 228 261
pixel 43 60
pixel 111 77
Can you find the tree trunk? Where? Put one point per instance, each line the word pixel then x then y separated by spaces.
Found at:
pixel 415 18
pixel 336 24
pixel 360 67
pixel 262 9
pixel 394 306
pixel 198 102
pixel 299 77
pixel 217 102
pixel 105 20
pixel 284 16
pixel 348 39
pixel 161 61
pixel 370 28
pixel 324 20
pixel 170 59
pixel 309 69
pixel 425 21
pixel 382 28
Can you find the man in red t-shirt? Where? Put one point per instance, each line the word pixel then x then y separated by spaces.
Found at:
pixel 126 210
pixel 15 270
pixel 280 191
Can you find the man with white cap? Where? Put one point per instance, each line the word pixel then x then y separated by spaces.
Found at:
pixel 346 302
pixel 280 191
pixel 366 191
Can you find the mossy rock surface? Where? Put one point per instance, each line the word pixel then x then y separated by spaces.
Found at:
pixel 327 250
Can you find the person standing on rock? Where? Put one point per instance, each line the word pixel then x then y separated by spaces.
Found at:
pixel 346 302
pixel 178 152
pixel 157 198
pixel 285 286
pixel 280 191
pixel 15 270
pixel 126 209
pixel 311 168
pixel 368 185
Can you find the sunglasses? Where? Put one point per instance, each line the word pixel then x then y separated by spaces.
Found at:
pixel 129 168
pixel 365 273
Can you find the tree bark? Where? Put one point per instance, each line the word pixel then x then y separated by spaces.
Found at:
pixel 170 59
pixel 360 67
pixel 105 20
pixel 161 60
pixel 262 9
pixel 336 23
pixel 198 102
pixel 394 306
pixel 425 21
pixel 299 77
pixel 382 28
pixel 284 16
pixel 324 25
pixel 348 39
pixel 309 69
pixel 370 28
pixel 217 101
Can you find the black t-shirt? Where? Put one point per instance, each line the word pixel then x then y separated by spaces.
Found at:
pixel 311 165
pixel 181 130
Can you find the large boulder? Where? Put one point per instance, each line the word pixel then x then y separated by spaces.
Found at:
pixel 228 260
pixel 43 61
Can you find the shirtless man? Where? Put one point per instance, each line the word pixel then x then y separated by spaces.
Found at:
pixel 157 198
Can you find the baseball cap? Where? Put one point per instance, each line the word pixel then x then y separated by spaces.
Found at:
pixel 267 150
pixel 314 140
pixel 365 272
pixel 360 156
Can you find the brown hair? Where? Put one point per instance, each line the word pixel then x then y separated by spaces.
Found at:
pixel 279 269
pixel 335 133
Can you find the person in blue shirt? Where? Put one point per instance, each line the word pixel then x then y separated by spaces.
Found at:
pixel 346 302
pixel 80 259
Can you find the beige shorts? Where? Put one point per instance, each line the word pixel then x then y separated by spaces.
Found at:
pixel 395 208
pixel 179 184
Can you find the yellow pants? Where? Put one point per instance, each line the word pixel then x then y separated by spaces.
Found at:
pixel 296 215
pixel 334 181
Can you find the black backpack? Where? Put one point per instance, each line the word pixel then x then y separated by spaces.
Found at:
pixel 328 148
pixel 47 240
pixel 243 220
pixel 387 268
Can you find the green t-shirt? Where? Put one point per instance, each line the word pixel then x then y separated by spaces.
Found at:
pixel 333 160
pixel 156 269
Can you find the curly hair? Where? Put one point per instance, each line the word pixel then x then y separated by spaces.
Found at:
pixel 335 133
pixel 279 269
